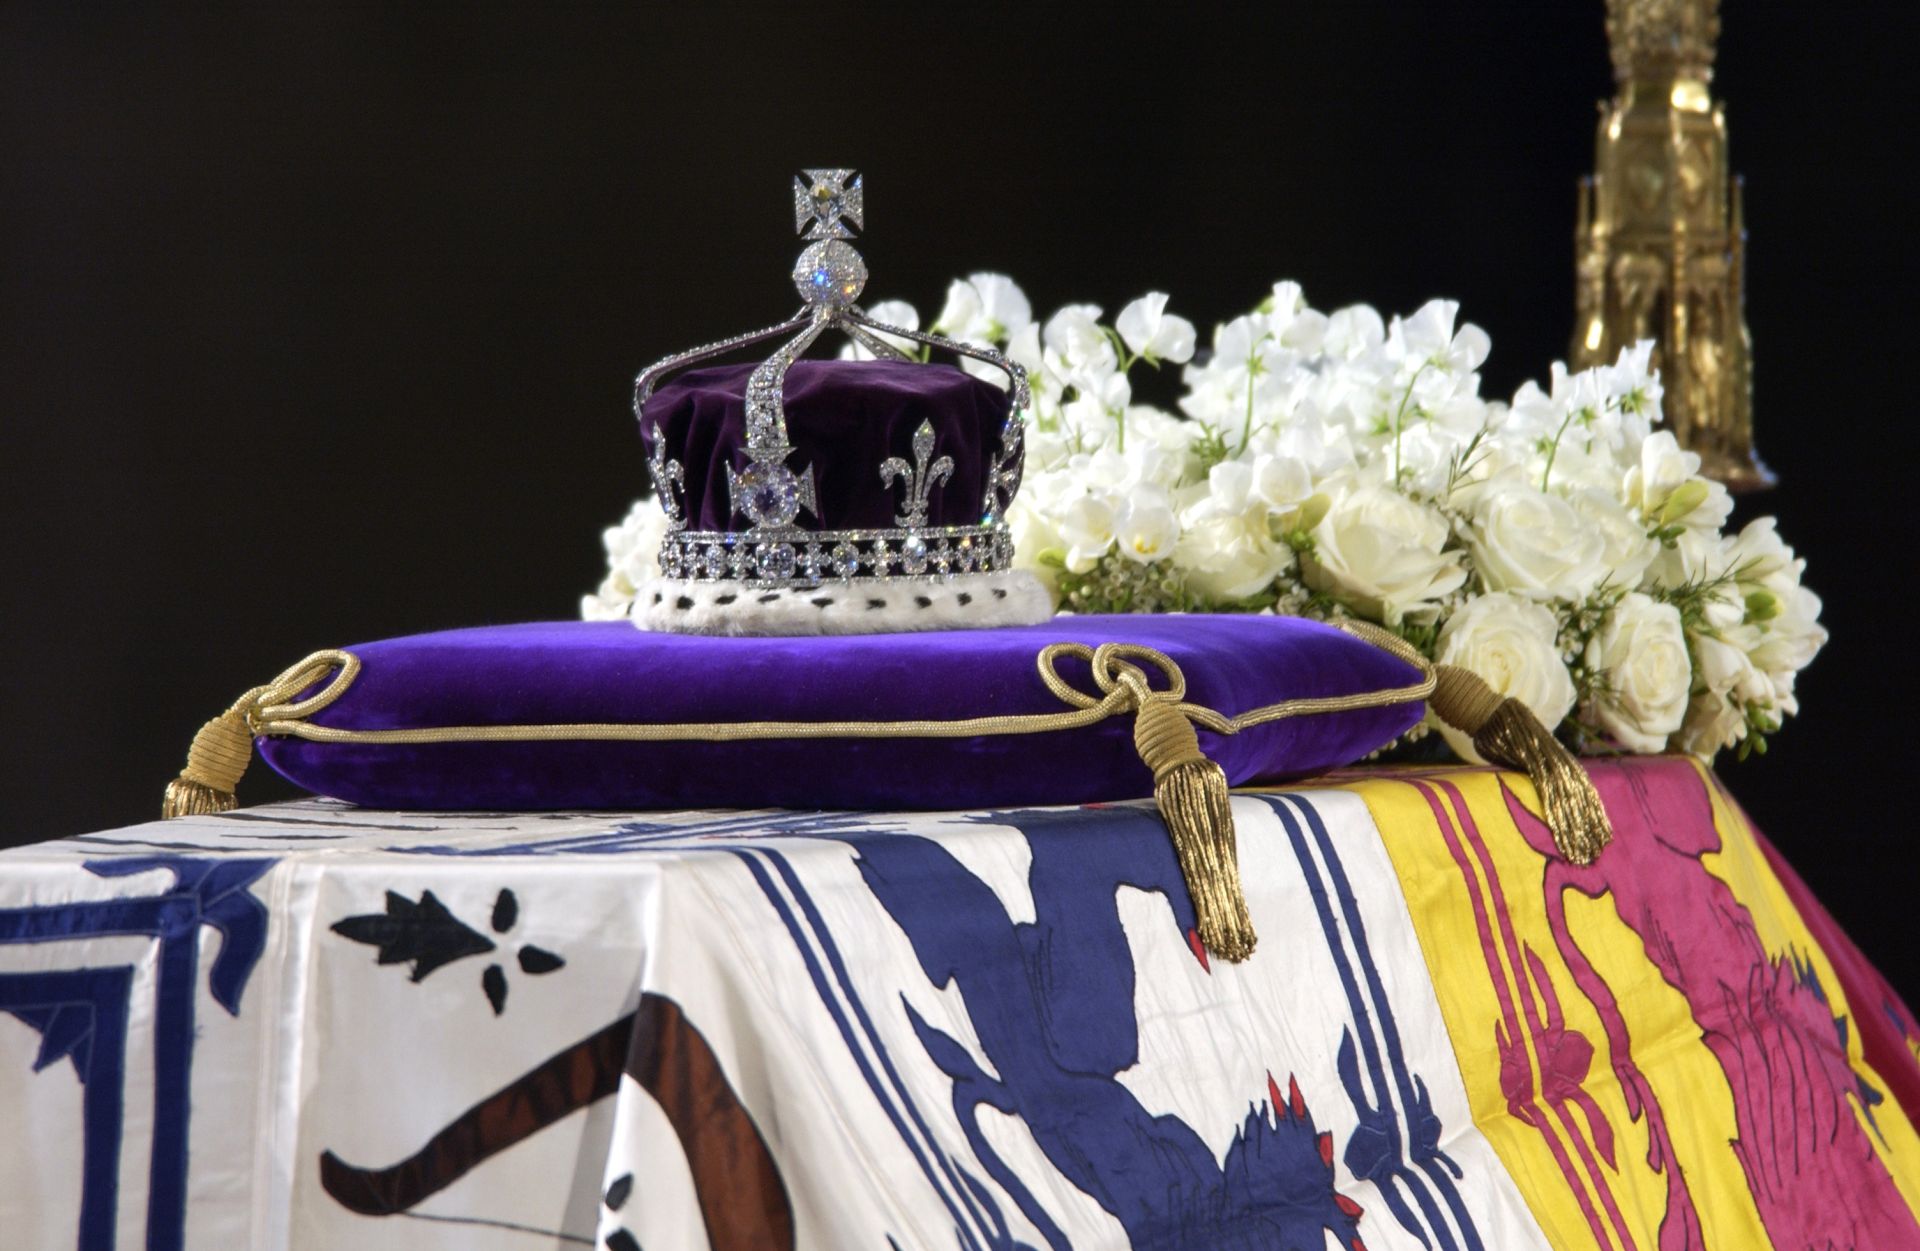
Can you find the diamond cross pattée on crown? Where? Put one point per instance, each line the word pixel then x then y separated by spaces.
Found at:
pixel 825 197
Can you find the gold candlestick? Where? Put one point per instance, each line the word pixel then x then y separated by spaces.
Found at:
pixel 1661 240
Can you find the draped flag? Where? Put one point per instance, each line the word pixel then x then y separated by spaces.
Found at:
pixel 310 1026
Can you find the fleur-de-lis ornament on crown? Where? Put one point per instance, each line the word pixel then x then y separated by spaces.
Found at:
pixel 919 479
pixel 829 206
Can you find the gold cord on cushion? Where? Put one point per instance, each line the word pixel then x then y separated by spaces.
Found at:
pixel 1189 789
pixel 1505 731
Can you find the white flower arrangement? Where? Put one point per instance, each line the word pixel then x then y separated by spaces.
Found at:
pixel 1345 465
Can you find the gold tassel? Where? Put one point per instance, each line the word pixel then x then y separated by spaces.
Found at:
pixel 223 748
pixel 219 756
pixel 1506 732
pixel 1191 792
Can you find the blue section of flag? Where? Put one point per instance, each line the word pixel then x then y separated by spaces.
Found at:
pixel 1397 1143
pixel 205 892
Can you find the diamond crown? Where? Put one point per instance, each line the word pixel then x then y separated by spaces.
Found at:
pixel 772 494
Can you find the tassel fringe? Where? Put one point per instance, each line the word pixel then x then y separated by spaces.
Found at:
pixel 1506 732
pixel 188 798
pixel 218 758
pixel 1191 792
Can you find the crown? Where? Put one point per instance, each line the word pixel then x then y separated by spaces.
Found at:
pixel 834 496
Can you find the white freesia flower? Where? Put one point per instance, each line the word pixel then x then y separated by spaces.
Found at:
pixel 1147 529
pixel 1534 543
pixel 1087 524
pixel 1634 385
pixel 1380 553
pixel 1641 650
pixel 1511 644
pixel 1666 488
pixel 1151 332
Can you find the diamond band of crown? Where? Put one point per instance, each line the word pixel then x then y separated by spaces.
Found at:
pixel 810 558
pixel 772 493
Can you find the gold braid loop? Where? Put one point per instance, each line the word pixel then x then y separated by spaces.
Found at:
pixel 223 748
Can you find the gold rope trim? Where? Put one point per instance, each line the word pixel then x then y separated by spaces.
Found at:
pixel 1189 789
pixel 1107 662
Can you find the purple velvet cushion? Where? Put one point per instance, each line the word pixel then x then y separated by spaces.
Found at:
pixel 843 419
pixel 609 672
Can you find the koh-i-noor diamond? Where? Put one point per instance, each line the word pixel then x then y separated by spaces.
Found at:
pixel 769 494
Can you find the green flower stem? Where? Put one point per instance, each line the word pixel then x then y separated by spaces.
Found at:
pixel 1399 418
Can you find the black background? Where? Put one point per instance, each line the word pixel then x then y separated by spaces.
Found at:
pixel 317 325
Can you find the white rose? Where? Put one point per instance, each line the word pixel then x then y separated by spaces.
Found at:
pixel 1512 644
pixel 1626 549
pixel 1533 543
pixel 1642 650
pixel 1379 552
pixel 1228 557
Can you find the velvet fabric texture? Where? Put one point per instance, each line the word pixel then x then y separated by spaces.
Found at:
pixel 843 419
pixel 608 672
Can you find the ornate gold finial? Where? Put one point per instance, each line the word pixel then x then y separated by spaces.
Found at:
pixel 1661 240
pixel 1660 40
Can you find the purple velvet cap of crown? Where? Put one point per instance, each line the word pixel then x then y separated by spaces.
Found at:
pixel 843 419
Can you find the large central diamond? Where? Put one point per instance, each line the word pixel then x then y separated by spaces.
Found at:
pixel 769 495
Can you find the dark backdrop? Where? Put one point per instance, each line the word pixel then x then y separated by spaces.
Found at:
pixel 318 325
